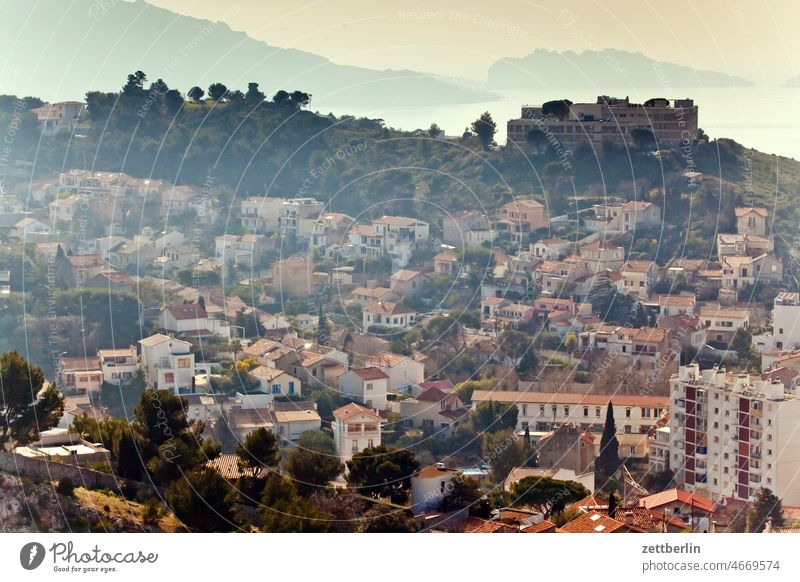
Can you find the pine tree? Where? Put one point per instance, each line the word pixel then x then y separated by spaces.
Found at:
pixel 609 445
pixel 527 434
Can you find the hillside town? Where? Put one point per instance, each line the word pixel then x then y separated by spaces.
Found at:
pixel 530 372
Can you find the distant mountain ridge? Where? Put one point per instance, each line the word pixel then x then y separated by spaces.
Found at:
pixel 56 49
pixel 605 68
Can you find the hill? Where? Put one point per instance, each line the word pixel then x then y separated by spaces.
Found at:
pixel 604 68
pixel 56 49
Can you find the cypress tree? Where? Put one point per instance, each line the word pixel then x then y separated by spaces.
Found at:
pixel 609 445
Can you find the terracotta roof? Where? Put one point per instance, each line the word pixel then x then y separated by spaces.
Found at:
pixel 295 415
pixel 79 364
pixel 91 260
pixel 543 526
pixel 434 471
pixel 527 202
pixel 637 266
pixel 677 495
pixel 745 211
pixel 446 257
pixel 593 522
pixel 370 373
pixel 375 292
pixel 637 205
pixel 261 347
pixel 386 360
pixel 186 311
pixel 348 411
pixel 577 399
pixel 405 275
pixel 432 395
pixel 227 465
pixel 266 373
pixel 477 525
pixel 397 220
pixel 388 308
pixel 444 385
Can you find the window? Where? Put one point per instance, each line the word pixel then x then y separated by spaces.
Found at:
pixel 627 413
pixel 585 411
pixel 355 446
pixel 276 388
pixel 369 386
pixel 541 410
pixel 183 362
pixel 291 387
pixel 370 443
pixel 566 411
pixel 597 412
pixel 524 410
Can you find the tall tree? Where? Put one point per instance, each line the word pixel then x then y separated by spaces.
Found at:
pixel 536 138
pixel 25 410
pixel 196 94
pixel 608 460
pixel 548 495
pixel 767 506
pixel 259 450
pixel 385 519
pixel 200 501
pixel 217 91
pixel 382 472
pixel 485 128
pixel 313 463
pixel 254 95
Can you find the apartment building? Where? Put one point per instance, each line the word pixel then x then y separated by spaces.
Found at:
pixel 542 411
pixel 601 256
pixel 401 236
pixel 299 215
pixel 672 122
pixel 732 434
pixel 56 117
pixel 261 214
pixel 118 365
pixel 623 217
pixel 638 278
pixel 467 229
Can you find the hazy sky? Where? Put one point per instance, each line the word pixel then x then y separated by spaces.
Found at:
pixel 757 39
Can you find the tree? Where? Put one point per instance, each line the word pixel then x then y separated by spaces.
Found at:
pixel 173 101
pixel 196 94
pixel 485 128
pixel 612 504
pixel 558 108
pixel 323 327
pixel 340 508
pixel 25 410
pixel 382 472
pixel 170 443
pixel 643 139
pixel 217 92
pixel 767 506
pixel 385 519
pixel 253 94
pixel 546 494
pixel 608 460
pixel 493 417
pixel 313 463
pixel 285 512
pixel 281 98
pixel 571 342
pixel 199 500
pixel 518 346
pixel 467 388
pixel 435 131
pixel 127 461
pixel 464 492
pixel 536 138
pixel 259 450
pixel 299 99
pixel 236 96
pixel 505 451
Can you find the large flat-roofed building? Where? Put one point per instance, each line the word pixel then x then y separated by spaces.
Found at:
pixel 609 119
pixel 731 434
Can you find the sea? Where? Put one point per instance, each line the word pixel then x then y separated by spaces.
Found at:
pixel 760 117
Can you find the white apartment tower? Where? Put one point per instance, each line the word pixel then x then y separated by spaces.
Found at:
pixel 732 434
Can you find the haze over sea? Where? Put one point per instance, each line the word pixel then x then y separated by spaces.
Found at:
pixel 760 117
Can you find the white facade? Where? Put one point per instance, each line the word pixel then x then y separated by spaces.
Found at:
pixel 118 365
pixel 168 364
pixel 261 214
pixel 367 386
pixel 786 321
pixel 732 434
pixel 275 382
pixel 403 371
pixel 355 428
pixel 430 486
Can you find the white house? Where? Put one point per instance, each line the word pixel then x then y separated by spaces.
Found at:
pixel 355 428
pixel 190 319
pixel 365 385
pixel 386 314
pixel 276 382
pixel 168 363
pixel 403 371
pixel 118 365
pixel 261 214
pixel 292 419
pixel 429 487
